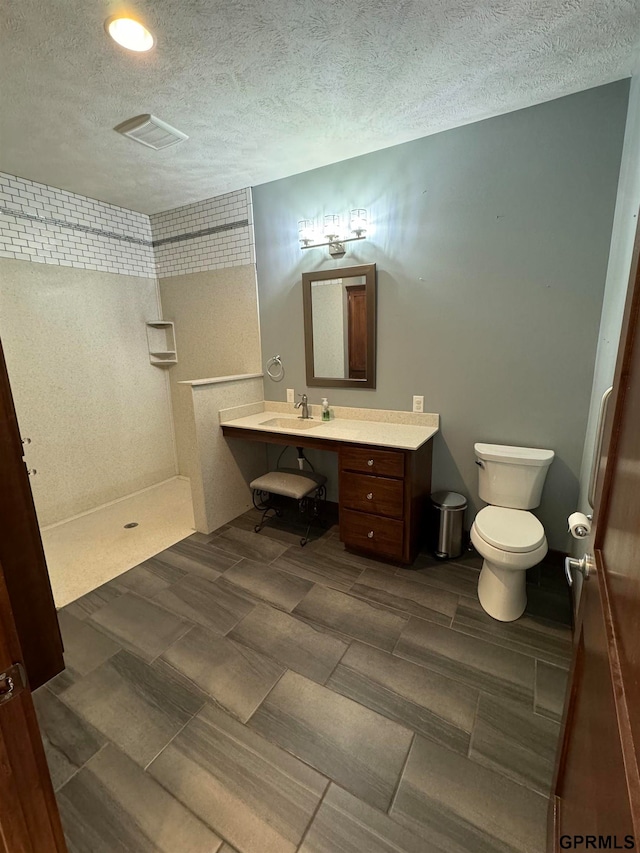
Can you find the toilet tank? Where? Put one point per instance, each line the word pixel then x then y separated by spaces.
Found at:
pixel 512 476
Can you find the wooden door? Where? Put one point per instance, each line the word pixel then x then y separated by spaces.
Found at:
pixel 597 790
pixel 29 819
pixel 357 331
pixel 21 553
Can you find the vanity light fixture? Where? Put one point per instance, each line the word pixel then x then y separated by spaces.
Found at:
pixel 306 234
pixel 332 234
pixel 129 33
pixel 331 227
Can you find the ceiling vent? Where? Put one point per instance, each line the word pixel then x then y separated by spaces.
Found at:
pixel 151 131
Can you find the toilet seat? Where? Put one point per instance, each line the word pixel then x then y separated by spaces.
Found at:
pixel 514 560
pixel 513 530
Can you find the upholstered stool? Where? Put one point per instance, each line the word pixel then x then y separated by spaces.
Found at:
pixel 306 487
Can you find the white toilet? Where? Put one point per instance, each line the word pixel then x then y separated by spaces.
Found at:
pixel 510 539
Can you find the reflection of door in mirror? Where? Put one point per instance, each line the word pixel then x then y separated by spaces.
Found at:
pixel 357 331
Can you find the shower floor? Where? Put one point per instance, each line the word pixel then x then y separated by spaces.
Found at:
pixel 87 551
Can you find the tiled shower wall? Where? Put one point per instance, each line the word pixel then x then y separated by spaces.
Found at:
pixel 201 247
pixel 209 235
pixel 47 225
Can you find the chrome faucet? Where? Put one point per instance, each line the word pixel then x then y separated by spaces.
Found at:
pixel 304 405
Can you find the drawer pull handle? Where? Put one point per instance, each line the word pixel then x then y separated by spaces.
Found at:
pixel 370 496
pixel 370 462
pixel 370 534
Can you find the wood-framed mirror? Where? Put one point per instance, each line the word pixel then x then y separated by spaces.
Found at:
pixel 340 327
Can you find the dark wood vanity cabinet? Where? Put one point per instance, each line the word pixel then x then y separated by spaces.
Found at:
pixel 383 492
pixel 383 500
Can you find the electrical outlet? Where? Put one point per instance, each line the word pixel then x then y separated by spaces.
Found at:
pixel 418 404
pixel 291 395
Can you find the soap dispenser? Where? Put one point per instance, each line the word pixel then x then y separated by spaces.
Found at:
pixel 326 414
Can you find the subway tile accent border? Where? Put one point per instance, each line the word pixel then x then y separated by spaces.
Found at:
pixel 75 226
pixel 205 231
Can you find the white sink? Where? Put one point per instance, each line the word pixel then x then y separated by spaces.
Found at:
pixel 291 423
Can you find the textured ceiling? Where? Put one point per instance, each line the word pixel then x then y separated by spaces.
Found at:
pixel 269 88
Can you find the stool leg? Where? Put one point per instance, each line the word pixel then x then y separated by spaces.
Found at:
pixel 302 509
pixel 265 517
pixel 319 494
pixel 261 503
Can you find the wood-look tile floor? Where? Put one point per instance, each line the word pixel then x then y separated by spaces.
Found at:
pixel 239 694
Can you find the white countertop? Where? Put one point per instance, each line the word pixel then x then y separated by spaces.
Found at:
pixel 384 434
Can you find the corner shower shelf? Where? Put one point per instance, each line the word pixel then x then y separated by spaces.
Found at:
pixel 161 338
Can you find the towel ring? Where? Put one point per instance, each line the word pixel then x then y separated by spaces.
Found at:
pixel 275 360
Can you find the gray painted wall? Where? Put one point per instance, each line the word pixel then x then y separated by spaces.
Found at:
pixel 625 223
pixel 491 244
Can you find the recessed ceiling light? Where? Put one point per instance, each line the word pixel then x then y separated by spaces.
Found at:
pixel 129 33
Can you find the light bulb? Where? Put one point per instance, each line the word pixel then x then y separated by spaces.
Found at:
pixel 129 33
pixel 358 221
pixel 331 226
pixel 305 231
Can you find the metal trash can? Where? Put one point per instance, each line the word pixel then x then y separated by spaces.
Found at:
pixel 448 509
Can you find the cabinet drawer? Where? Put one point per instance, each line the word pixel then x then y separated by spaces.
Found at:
pixel 378 495
pixel 387 463
pixel 372 533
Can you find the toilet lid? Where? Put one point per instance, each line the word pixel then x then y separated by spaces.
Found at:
pixel 509 529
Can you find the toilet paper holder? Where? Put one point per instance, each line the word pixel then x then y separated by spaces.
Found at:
pixel 581 531
pixel 579 525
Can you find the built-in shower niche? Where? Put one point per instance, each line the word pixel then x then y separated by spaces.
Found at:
pixel 161 338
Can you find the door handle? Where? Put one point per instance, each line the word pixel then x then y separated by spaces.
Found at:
pixel 583 565
pixel 12 682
